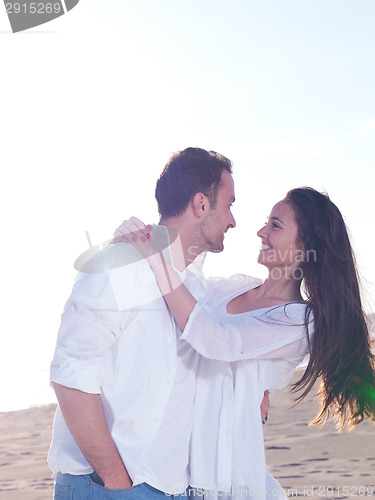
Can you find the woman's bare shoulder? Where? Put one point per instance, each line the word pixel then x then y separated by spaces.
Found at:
pixel 232 283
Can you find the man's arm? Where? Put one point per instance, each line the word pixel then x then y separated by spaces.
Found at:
pixel 84 416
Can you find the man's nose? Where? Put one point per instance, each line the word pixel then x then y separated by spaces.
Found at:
pixel 232 222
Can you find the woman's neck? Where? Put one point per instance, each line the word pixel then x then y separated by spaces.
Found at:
pixel 271 293
pixel 283 289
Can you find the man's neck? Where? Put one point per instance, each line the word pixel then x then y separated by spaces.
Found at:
pixel 183 249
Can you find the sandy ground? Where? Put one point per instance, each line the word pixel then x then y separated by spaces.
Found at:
pixel 311 462
pixel 24 442
pixel 318 462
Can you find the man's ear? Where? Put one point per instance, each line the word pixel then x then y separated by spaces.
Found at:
pixel 201 205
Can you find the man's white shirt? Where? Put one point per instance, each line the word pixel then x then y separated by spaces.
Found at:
pixel 118 339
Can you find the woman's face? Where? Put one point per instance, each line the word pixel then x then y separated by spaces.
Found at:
pixel 279 239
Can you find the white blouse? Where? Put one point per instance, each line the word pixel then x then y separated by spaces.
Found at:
pixel 244 354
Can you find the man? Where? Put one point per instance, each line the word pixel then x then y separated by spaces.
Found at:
pixel 125 386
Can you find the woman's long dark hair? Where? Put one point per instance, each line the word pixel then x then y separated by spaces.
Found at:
pixel 340 350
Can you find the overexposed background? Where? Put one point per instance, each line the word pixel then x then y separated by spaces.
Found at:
pixel 94 103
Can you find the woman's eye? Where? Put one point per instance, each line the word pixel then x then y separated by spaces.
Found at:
pixel 275 225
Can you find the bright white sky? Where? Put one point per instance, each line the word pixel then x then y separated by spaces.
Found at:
pixel 94 103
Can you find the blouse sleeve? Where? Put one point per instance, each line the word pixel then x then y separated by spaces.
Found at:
pixel 278 333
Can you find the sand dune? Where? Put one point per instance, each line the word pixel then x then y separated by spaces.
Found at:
pixel 24 442
pixel 311 462
pixel 318 462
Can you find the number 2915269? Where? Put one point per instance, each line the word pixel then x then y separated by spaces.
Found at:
pixel 33 8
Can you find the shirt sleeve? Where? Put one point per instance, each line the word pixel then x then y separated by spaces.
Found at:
pixel 278 333
pixel 94 317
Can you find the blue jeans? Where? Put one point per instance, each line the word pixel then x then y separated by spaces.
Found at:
pixel 90 487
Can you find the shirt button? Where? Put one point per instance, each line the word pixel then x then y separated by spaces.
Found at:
pixel 140 450
pixel 168 382
pixel 156 419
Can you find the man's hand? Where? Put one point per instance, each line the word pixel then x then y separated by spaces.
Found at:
pixel 265 406
pixel 119 485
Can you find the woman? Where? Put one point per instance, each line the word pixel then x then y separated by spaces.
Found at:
pixel 265 329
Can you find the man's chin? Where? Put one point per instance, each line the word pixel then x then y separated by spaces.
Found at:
pixel 218 249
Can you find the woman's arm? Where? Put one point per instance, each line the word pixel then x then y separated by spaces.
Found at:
pixel 178 298
pixel 281 334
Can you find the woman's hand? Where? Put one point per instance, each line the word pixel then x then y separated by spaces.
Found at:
pixel 135 232
pixel 132 228
pixel 265 406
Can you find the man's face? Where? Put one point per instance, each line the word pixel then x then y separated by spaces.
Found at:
pixel 219 219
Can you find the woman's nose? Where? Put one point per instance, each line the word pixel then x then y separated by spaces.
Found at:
pixel 262 233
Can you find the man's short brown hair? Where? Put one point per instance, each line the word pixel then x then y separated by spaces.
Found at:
pixel 188 172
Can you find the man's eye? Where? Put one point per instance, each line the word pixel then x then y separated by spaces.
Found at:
pixel 275 225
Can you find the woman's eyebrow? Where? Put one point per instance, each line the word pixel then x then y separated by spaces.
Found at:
pixel 276 218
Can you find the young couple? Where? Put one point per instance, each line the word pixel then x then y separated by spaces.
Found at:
pixel 142 414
